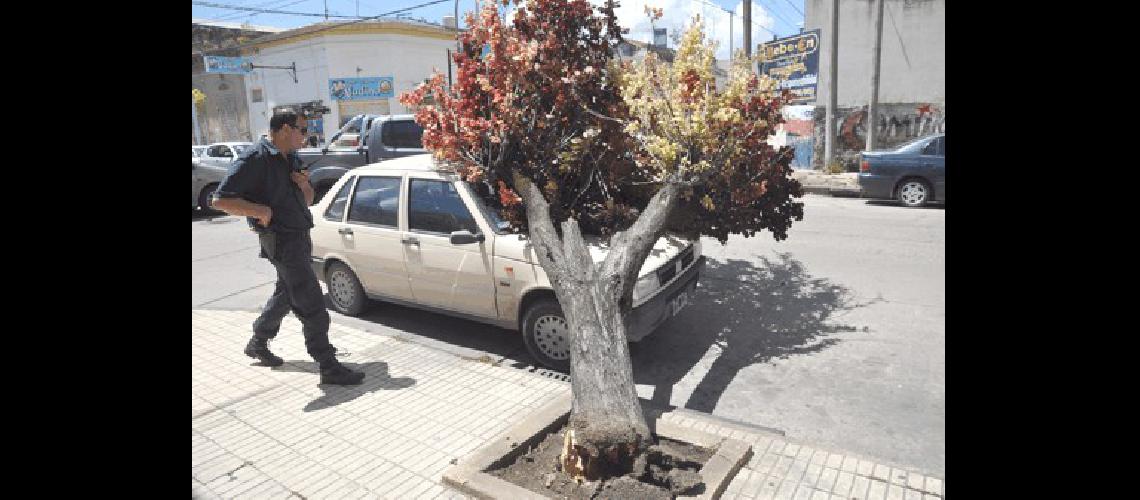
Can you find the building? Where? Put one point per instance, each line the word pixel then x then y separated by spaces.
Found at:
pixel 347 68
pixel 223 116
pixel 912 73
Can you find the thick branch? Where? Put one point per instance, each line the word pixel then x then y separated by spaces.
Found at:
pixel 629 248
pixel 543 236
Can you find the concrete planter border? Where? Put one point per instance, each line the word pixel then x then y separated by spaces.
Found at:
pixel 470 477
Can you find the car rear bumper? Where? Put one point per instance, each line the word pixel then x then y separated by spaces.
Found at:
pixel 652 313
pixel 876 186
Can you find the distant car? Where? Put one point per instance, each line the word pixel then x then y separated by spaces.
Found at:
pixel 914 173
pixel 198 151
pixel 221 154
pixel 204 179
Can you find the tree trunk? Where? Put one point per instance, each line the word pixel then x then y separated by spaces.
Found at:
pixel 607 429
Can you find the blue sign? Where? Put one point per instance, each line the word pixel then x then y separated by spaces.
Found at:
pixel 794 63
pixel 228 65
pixel 358 89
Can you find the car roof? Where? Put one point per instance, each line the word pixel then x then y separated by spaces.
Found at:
pixel 415 163
pixel 238 143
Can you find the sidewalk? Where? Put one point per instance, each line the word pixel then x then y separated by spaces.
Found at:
pixel 274 433
pixel 815 181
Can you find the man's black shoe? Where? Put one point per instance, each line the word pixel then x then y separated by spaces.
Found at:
pixel 338 374
pixel 259 348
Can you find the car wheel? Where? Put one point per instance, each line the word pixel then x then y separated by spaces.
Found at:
pixel 345 291
pixel 206 198
pixel 914 192
pixel 547 334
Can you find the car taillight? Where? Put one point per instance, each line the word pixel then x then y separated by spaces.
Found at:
pixel 865 166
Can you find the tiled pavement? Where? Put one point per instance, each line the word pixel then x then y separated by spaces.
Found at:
pixel 274 433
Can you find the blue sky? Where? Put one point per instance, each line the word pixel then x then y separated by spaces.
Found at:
pixel 769 17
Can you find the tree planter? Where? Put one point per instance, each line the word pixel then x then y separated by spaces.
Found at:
pixel 470 474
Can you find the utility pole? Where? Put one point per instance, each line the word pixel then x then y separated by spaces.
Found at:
pixel 194 112
pixel 326 10
pixel 832 86
pixel 872 110
pixel 731 20
pixel 747 29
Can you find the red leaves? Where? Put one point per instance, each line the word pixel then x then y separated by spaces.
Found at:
pixel 507 196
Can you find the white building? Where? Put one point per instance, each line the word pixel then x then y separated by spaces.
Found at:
pixel 405 51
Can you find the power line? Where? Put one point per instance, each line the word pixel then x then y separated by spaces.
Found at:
pixel 777 14
pixel 797 8
pixel 326 28
pixel 279 4
pixel 267 11
pixel 750 23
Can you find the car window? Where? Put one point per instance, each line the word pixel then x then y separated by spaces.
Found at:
pixel 435 207
pixel 387 134
pixel 914 146
pixel 934 148
pixel 335 212
pixel 375 201
pixel 214 151
pixel 407 134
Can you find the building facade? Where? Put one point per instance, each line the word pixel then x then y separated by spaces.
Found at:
pixel 223 116
pixel 398 54
pixel 912 73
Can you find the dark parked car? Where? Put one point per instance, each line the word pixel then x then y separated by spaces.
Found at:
pixel 914 173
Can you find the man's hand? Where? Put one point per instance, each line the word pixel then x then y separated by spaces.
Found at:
pixel 301 179
pixel 264 215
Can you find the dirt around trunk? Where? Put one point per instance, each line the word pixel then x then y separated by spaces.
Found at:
pixel 669 468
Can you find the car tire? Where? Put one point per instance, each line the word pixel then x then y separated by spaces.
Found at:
pixel 914 192
pixel 345 291
pixel 205 198
pixel 546 334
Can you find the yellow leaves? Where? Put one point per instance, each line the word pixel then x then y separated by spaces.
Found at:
pixel 707 202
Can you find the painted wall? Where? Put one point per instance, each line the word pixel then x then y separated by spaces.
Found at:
pixel 223 116
pixel 897 123
pixel 913 61
pixel 409 59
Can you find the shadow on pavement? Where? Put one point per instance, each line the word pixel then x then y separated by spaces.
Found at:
pixel 895 203
pixel 376 378
pixel 504 346
pixel 752 314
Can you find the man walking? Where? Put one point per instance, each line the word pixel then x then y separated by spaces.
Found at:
pixel 267 185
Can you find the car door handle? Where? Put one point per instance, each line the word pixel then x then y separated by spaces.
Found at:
pixel 344 230
pixel 410 241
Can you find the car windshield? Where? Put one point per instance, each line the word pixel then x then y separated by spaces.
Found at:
pixel 240 148
pixel 501 226
pixel 915 145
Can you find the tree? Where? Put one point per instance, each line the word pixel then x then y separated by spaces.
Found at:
pixel 548 129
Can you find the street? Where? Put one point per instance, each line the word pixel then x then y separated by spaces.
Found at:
pixel 834 336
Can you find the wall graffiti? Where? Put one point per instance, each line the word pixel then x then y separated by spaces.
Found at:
pixel 896 124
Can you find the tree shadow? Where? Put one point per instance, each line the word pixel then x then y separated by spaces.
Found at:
pixel 752 314
pixel 376 378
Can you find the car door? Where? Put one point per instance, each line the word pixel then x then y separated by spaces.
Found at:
pixel 933 163
pixel 455 277
pixel 370 233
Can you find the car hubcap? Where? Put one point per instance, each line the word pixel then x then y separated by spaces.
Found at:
pixel 913 193
pixel 341 288
pixel 552 336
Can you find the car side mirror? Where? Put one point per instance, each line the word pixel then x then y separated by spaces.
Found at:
pixel 464 237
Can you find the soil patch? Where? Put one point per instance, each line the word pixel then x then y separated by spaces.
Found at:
pixel 671 468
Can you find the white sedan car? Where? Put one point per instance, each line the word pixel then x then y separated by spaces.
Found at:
pixel 408 232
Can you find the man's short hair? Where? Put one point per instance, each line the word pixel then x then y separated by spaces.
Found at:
pixel 282 118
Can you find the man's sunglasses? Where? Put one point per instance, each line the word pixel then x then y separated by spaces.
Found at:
pixel 304 130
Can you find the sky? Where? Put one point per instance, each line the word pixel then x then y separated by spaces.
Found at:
pixel 769 17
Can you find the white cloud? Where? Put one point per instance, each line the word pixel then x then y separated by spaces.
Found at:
pixel 678 14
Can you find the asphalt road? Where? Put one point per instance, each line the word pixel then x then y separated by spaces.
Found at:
pixel 835 335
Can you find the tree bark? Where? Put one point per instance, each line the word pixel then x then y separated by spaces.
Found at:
pixel 607 429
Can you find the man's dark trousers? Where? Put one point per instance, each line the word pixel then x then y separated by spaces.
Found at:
pixel 297 290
